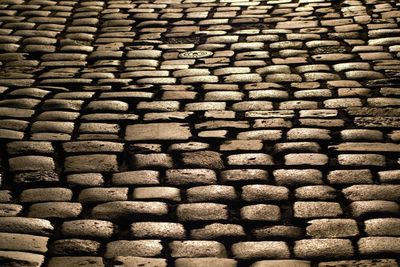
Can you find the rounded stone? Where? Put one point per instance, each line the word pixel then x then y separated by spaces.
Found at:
pixel 196 54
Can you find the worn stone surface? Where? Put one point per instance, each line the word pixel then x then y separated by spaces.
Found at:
pixel 204 262
pixel 139 261
pixel 17 258
pixel 158 131
pixel 197 133
pixel 140 248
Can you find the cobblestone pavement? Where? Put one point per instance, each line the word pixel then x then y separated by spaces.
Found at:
pixel 197 133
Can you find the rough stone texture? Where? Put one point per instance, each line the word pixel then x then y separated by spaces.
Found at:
pixel 158 230
pixel 203 159
pixel 55 210
pixel 91 163
pixel 74 246
pixel 127 261
pixel 260 212
pixel 76 261
pixel 140 248
pixel 23 242
pixel 201 212
pixel 17 258
pixel 283 263
pixel 261 249
pixel 211 193
pixel 204 262
pixel 215 230
pixel 157 131
pixel 31 163
pixel 173 133
pixel 88 228
pixel 332 228
pixel 316 209
pixel 330 248
pixel 360 263
pixel 194 249
pixel 26 226
pixel 382 227
pixel 378 245
pixel 119 209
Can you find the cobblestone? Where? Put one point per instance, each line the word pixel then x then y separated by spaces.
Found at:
pixel 332 248
pixel 199 133
pixel 194 249
pixel 17 257
pixel 260 249
pixel 199 262
pixel 140 248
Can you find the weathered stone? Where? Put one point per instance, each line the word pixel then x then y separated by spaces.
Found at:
pixel 88 228
pixel 378 245
pixel 332 228
pixel 157 230
pixel 201 212
pixel 360 263
pixel 308 210
pixel 203 159
pixel 281 263
pixel 157 131
pixel 55 210
pixel 31 163
pixel 204 262
pixel 120 209
pixel 91 163
pixel 138 248
pixel 194 249
pixel 74 247
pixel 23 242
pixel 26 226
pixel 17 258
pixel 332 248
pixel 76 261
pixel 260 249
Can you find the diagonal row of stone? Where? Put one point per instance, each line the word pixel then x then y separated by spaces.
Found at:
pixel 197 133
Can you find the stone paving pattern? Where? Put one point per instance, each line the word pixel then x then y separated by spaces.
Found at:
pixel 275 144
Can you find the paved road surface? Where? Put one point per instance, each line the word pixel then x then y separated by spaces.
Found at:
pixel 196 133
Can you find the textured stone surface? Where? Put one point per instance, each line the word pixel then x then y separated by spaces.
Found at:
pixel 141 248
pixel 158 131
pixel 331 248
pixel 17 258
pixel 76 261
pixel 261 249
pixel 204 262
pixel 91 163
pixel 194 249
pixel 283 263
pixel 125 261
pixel 23 242
pixel 196 133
